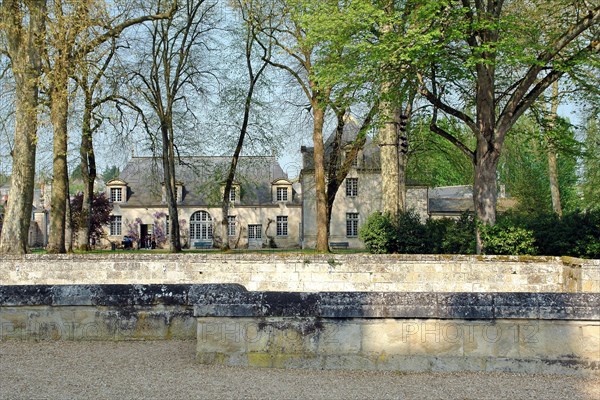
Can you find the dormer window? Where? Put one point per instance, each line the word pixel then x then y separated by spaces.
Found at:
pixel 282 194
pixel 232 194
pixel 281 190
pixel 116 195
pixel 116 191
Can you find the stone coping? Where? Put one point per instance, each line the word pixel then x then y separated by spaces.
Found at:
pixel 110 295
pixel 291 255
pixel 232 300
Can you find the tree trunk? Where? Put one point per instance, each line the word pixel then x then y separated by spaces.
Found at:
pixel 60 187
pixel 69 227
pixel 554 186
pixel 484 188
pixel 338 168
pixel 403 151
pixel 333 183
pixel 552 161
pixel 243 130
pixel 25 50
pixel 168 160
pixel 388 142
pixel 88 173
pixel 388 139
pixel 321 194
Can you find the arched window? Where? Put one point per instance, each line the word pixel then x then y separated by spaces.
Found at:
pixel 201 226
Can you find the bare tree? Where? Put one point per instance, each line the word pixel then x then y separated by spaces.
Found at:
pixel 253 79
pixel 339 166
pixel 280 21
pixel 88 76
pixel 170 70
pixel 68 42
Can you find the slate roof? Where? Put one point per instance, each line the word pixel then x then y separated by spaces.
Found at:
pixel 202 179
pixel 451 200
pixel 370 153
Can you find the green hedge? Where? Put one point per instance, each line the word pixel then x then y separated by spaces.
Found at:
pixel 576 234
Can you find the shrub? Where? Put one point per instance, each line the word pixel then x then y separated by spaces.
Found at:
pixel 437 229
pixel 575 234
pixel 507 239
pixel 101 209
pixel 379 234
pixel 411 234
pixel 460 236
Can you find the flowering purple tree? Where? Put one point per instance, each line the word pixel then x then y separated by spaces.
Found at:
pixel 160 235
pixel 133 229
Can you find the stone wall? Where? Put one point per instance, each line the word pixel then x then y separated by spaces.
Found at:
pixel 101 312
pixel 311 273
pixel 517 332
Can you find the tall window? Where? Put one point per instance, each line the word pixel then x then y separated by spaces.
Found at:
pixel 115 225
pixel 282 194
pixel 232 194
pixel 351 187
pixel 254 232
pixel 201 226
pixel 351 224
pixel 116 194
pixel 167 225
pixel 282 225
pixel 231 225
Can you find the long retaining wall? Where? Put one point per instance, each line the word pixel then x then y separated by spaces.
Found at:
pixel 517 332
pixel 311 273
pixel 402 331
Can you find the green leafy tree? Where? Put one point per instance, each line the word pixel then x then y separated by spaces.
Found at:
pixel 524 165
pixel 481 63
pixel 434 161
pixel 110 173
pixel 590 185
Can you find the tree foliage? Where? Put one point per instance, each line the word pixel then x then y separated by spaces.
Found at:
pixel 481 63
pixel 110 173
pixel 100 214
pixel 524 165
pixel 590 185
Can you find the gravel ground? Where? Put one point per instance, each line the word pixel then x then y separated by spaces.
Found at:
pixel 166 370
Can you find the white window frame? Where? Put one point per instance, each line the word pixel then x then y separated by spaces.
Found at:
pixel 352 224
pixel 232 194
pixel 116 195
pixel 116 225
pixel 231 225
pixel 255 232
pixel 351 187
pixel 201 227
pixel 282 225
pixel 282 193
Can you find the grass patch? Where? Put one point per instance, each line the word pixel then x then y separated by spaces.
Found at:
pixel 209 251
